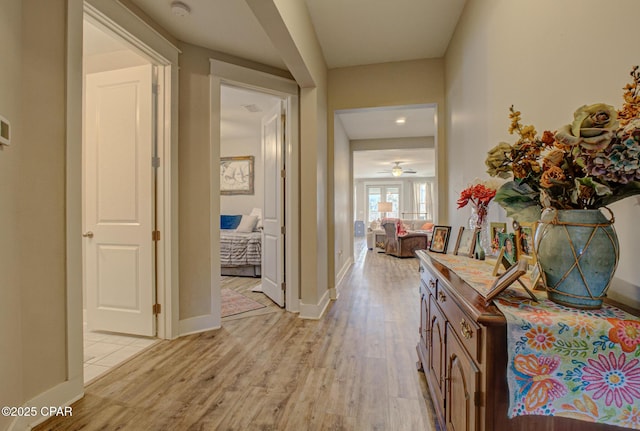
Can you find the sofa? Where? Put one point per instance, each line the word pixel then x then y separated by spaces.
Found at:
pixel 402 242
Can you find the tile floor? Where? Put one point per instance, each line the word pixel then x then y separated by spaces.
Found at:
pixel 104 350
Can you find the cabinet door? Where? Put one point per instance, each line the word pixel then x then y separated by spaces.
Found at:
pixel 463 382
pixel 437 355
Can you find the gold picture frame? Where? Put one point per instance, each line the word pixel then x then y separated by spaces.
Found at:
pixel 505 280
pixel 466 242
pixel 524 241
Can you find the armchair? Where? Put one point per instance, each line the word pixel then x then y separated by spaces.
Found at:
pixel 400 243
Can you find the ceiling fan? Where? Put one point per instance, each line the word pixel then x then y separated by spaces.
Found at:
pixel 397 170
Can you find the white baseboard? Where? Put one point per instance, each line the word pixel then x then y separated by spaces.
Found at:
pixel 62 395
pixel 315 311
pixel 195 325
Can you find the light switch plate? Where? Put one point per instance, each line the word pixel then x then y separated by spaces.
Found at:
pixel 5 131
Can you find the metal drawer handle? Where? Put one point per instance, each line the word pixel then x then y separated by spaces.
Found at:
pixel 442 297
pixel 421 269
pixel 88 234
pixel 467 332
pixel 432 284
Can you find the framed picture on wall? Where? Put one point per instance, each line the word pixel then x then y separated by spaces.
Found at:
pixel 236 175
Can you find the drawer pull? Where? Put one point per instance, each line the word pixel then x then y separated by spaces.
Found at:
pixel 421 268
pixel 432 284
pixel 467 332
pixel 442 297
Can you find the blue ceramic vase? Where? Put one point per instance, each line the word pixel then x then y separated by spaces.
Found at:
pixel 577 253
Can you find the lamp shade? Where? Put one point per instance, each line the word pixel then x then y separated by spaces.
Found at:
pixel 385 207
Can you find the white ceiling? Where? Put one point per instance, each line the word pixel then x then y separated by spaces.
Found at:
pixel 375 123
pixel 238 122
pixel 350 32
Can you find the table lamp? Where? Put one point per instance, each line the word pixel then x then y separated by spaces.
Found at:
pixel 384 208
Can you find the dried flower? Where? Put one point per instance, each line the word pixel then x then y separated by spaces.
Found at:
pixel 592 162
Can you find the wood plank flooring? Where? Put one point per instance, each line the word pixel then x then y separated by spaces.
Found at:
pixel 354 369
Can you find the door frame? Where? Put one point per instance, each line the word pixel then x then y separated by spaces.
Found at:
pixel 119 19
pixel 287 89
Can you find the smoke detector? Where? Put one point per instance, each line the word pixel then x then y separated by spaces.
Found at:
pixel 180 9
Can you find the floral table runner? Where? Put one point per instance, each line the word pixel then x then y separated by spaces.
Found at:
pixel 580 364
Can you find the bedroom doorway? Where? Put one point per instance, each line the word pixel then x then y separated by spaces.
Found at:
pixel 251 192
pixel 278 209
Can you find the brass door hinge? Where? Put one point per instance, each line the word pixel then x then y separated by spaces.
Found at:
pixel 157 308
pixel 283 286
pixel 155 235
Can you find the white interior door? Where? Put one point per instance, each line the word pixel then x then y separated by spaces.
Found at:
pixel 272 214
pixel 118 201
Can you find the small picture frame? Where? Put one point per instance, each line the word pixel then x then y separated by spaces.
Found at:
pixel 440 239
pixel 501 261
pixel 494 229
pixel 505 280
pixel 466 242
pixel 524 241
pixel 507 241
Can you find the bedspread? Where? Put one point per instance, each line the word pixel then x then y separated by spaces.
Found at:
pixel 239 248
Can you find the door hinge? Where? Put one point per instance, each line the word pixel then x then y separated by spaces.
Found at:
pixel 477 399
pixel 283 230
pixel 157 308
pixel 283 286
pixel 155 162
pixel 155 235
pixel 283 173
pixel 155 88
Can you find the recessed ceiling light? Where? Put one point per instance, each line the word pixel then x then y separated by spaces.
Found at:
pixel 180 9
pixel 401 120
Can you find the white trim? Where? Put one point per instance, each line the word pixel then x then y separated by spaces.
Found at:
pixel 315 311
pixel 231 74
pixel 343 271
pixel 62 395
pixel 194 325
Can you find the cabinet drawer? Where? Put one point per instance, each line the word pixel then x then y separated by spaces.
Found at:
pixel 465 328
pixel 428 280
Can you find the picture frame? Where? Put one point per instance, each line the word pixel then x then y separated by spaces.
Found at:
pixel 494 229
pixel 507 279
pixel 466 242
pixel 507 241
pixel 236 175
pixel 524 241
pixel 440 239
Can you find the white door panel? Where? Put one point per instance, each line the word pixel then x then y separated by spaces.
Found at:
pixel 272 213
pixel 119 201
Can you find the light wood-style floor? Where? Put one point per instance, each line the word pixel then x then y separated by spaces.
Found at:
pixel 354 369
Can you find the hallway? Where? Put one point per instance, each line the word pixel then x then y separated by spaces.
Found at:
pixel 354 369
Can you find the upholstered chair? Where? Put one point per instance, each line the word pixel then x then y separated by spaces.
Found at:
pixel 400 243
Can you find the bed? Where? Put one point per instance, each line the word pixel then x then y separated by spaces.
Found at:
pixel 240 250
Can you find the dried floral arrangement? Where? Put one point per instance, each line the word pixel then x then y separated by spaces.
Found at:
pixel 588 164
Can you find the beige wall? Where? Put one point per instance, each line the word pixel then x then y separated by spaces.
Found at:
pixel 387 84
pixel 342 198
pixel 195 196
pixel 11 370
pixel 32 193
pixel 566 54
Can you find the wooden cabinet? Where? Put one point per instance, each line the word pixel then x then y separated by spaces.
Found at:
pixel 463 353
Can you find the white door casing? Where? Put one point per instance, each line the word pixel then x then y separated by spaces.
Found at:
pixel 272 211
pixel 118 201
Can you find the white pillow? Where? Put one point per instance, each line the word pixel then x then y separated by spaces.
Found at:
pixel 247 224
pixel 258 213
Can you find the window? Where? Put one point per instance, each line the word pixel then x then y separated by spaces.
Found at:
pixel 382 193
pixel 423 200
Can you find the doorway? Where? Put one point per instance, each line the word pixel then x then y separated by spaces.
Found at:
pixel 393 154
pixel 280 203
pixel 120 191
pixel 250 195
